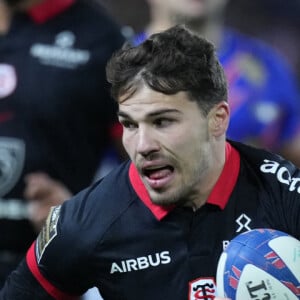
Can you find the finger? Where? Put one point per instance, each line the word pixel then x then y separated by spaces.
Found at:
pixel 37 186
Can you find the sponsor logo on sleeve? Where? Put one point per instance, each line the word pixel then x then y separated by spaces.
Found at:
pixel 8 80
pixel 12 157
pixel 282 174
pixel 48 233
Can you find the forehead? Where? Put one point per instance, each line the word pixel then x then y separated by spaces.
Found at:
pixel 146 101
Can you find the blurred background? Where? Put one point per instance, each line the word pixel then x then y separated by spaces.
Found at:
pixel 270 115
pixel 275 21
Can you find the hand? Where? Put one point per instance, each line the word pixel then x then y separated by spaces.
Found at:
pixel 42 192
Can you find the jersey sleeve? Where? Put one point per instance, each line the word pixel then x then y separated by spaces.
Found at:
pixel 59 258
pixel 282 183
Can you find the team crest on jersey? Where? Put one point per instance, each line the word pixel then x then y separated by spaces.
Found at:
pixel 202 288
pixel 48 233
pixel 8 80
pixel 12 157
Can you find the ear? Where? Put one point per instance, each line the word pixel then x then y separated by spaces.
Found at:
pixel 218 119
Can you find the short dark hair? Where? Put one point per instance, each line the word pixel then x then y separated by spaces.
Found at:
pixel 169 62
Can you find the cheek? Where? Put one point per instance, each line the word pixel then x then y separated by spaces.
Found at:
pixel 182 145
pixel 125 141
pixel 189 145
pixel 128 143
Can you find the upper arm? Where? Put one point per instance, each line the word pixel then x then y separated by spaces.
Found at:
pixel 58 258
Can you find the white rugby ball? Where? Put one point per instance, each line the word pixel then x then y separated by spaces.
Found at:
pixel 260 264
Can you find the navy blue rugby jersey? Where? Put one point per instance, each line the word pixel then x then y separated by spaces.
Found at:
pixel 55 108
pixel 112 236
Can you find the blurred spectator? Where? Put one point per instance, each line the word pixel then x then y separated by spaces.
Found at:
pixel 56 118
pixel 263 93
pixel 129 13
pixel 275 21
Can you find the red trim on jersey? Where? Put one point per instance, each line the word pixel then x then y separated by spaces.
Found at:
pixel 218 196
pixel 48 9
pixel 227 180
pixel 158 211
pixel 48 287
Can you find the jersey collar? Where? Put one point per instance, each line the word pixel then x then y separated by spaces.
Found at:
pixel 219 195
pixel 227 180
pixel 48 9
pixel 158 211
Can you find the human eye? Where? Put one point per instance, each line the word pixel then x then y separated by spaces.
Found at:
pixel 128 124
pixel 163 122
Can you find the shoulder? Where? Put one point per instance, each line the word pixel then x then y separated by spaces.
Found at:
pixel 73 230
pixel 93 13
pixel 277 173
pixel 277 184
pixel 257 50
pixel 89 20
pixel 249 43
pixel 95 208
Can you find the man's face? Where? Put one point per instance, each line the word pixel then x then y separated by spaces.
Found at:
pixel 166 137
pixel 191 9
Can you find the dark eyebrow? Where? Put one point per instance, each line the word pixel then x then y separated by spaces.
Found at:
pixel 123 114
pixel 152 114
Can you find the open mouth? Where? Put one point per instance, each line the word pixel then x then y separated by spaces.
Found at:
pixel 158 172
pixel 159 177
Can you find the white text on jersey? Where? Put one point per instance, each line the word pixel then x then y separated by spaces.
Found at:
pixel 142 262
pixel 282 174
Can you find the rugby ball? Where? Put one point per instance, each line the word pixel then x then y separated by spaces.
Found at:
pixel 260 264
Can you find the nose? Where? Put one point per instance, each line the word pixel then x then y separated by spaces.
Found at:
pixel 146 142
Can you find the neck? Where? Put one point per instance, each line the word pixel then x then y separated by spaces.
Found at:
pixel 215 165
